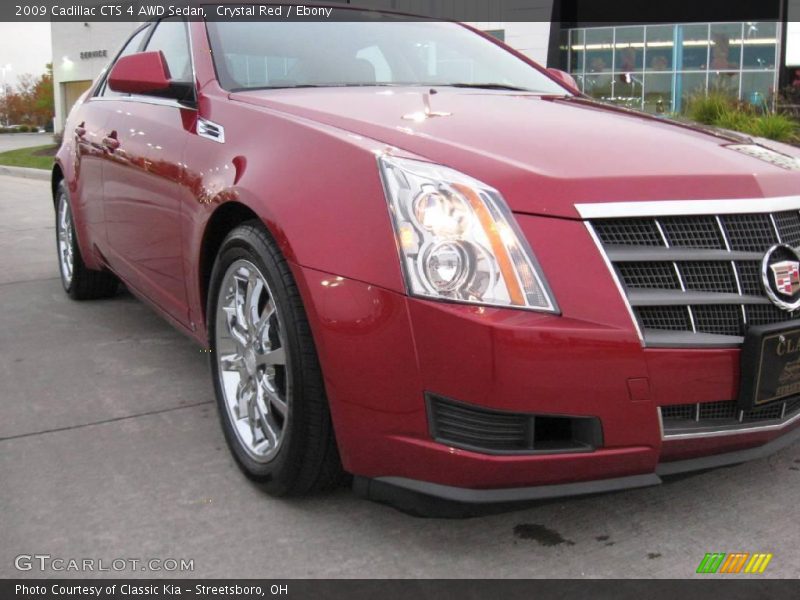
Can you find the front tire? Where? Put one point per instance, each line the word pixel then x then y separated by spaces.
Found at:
pixel 80 282
pixel 267 377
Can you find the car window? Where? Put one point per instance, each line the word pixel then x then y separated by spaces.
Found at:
pixel 272 54
pixel 170 37
pixel 374 56
pixel 441 63
pixel 259 70
pixel 134 45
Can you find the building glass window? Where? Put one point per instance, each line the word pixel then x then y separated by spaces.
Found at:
pixel 576 51
pixel 629 48
pixel 658 68
pixel 658 93
pixel 659 48
pixel 724 82
pixel 693 47
pixel 725 43
pixel 754 86
pixel 628 65
pixel 598 86
pixel 688 85
pixel 760 46
pixel 599 50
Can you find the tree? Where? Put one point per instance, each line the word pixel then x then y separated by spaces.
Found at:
pixel 32 101
pixel 43 98
pixel 25 86
pixel 14 106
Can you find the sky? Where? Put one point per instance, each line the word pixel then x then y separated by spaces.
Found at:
pixel 26 47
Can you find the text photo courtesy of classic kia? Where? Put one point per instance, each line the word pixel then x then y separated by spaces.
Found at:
pixel 419 259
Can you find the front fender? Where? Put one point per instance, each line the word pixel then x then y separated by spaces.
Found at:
pixel 316 188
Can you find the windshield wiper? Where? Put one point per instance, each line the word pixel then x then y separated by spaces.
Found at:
pixel 476 86
pixel 487 86
pixel 273 87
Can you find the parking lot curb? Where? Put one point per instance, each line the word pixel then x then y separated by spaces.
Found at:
pixel 25 172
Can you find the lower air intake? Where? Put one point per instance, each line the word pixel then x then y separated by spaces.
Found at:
pixel 500 432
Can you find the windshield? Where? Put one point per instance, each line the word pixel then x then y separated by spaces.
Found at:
pixel 259 55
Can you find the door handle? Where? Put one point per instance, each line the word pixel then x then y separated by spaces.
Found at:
pixel 110 141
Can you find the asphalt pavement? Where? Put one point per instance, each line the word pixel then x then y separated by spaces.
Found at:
pixel 13 141
pixel 110 449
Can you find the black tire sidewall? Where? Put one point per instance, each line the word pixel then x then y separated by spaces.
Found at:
pixel 278 473
pixel 86 284
pixel 63 196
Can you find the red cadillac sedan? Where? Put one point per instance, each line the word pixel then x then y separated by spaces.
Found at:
pixel 421 259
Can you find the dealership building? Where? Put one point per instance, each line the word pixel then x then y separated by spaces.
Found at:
pixel 654 67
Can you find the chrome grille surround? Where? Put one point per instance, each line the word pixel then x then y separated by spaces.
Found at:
pixel 698 282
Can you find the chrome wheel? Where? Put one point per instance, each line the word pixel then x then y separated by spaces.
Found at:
pixel 252 361
pixel 65 240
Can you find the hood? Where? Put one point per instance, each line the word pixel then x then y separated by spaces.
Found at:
pixel 544 154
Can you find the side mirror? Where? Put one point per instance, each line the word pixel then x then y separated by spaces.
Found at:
pixel 142 73
pixel 565 78
pixel 148 73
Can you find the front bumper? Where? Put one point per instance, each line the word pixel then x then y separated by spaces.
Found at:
pixel 384 488
pixel 382 351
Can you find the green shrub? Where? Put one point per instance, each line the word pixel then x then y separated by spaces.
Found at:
pixel 708 108
pixel 720 110
pixel 737 120
pixel 774 126
pixel 23 129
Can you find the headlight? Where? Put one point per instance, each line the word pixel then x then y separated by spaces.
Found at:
pixel 457 239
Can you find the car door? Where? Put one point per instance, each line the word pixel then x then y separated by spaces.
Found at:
pixel 145 140
pixel 88 126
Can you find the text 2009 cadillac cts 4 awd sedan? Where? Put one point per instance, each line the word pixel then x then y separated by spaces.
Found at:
pixel 421 259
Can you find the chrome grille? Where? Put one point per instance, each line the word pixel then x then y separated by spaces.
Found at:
pixel 649 275
pixel 692 232
pixel 633 232
pixel 705 276
pixel 750 277
pixel 750 233
pixel 717 417
pixel 789 226
pixel 672 318
pixel 696 280
pixel 718 410
pixel 720 319
pixel 764 314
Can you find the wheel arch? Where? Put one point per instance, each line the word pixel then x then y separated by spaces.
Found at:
pixel 222 221
pixel 56 177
